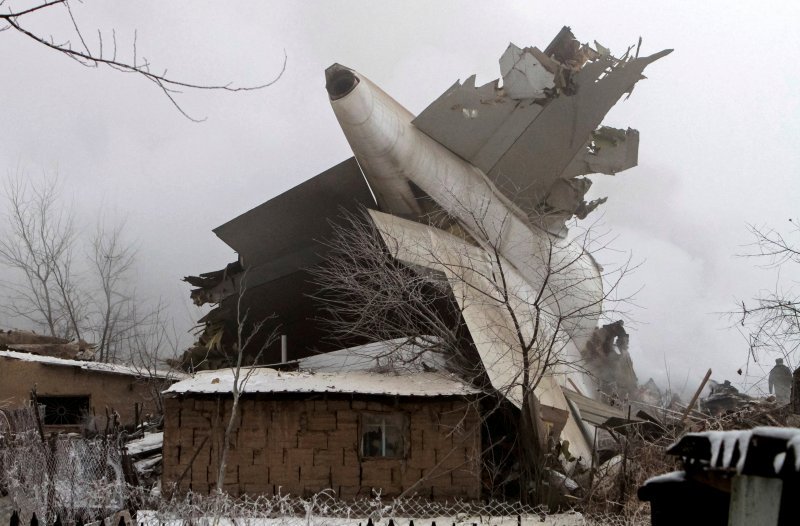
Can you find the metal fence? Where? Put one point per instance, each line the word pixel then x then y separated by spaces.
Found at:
pixel 74 479
pixel 325 508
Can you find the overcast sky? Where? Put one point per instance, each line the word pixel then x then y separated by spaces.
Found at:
pixel 719 124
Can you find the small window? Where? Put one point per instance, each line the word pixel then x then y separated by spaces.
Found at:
pixel 382 435
pixel 64 410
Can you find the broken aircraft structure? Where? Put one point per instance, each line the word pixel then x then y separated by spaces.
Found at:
pixel 502 166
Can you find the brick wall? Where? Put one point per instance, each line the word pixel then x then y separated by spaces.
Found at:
pixel 113 391
pixel 304 446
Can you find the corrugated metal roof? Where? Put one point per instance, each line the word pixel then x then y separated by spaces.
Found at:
pixel 266 380
pixel 397 355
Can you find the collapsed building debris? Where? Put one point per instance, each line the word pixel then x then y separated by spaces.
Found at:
pixel 484 172
pixel 145 456
pixel 724 398
pixel 607 357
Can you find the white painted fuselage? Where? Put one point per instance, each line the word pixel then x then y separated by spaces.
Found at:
pixel 392 151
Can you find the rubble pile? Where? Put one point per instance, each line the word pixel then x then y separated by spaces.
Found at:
pixel 145 456
pixel 640 447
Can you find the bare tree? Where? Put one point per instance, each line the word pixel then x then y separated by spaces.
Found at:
pixel 39 246
pixel 387 278
pixel 772 318
pixel 115 311
pixel 104 53
pixel 150 345
pixel 69 286
pixel 246 334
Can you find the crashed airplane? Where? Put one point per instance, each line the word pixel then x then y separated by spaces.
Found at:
pixel 504 165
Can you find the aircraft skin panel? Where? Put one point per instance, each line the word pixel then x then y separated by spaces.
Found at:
pixel 463 191
pixel 491 327
pixel 293 222
pixel 542 153
pixel 533 135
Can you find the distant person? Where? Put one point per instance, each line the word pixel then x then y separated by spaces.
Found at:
pixel 780 377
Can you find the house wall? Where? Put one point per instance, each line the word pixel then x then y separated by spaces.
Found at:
pixel 113 391
pixel 305 446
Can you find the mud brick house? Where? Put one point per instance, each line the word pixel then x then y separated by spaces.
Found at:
pixel 76 393
pixel 343 420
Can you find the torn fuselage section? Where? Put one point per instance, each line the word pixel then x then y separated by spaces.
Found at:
pixel 213 287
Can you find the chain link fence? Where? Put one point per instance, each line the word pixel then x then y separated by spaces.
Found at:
pixel 71 477
pixel 325 508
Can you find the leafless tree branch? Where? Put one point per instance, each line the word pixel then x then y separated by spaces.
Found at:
pixel 168 85
pixel 367 293
pixel 771 320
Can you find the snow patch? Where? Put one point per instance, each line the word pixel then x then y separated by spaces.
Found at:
pixel 149 442
pixel 673 476
pixel 100 367
pixel 265 380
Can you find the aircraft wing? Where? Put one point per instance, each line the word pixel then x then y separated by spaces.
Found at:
pixel 283 234
pixel 276 242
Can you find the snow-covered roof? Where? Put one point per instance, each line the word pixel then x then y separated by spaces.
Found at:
pixel 266 380
pixel 110 368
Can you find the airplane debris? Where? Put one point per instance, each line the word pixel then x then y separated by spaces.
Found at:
pixel 524 77
pixel 501 167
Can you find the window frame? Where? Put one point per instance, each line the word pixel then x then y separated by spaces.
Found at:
pixel 388 419
pixel 81 402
